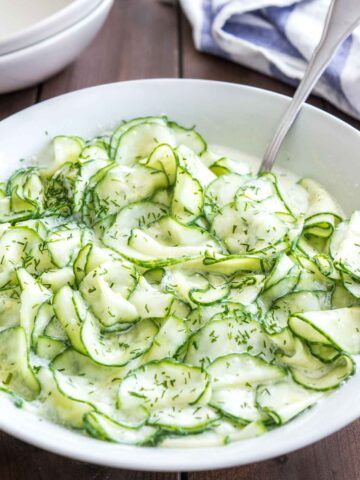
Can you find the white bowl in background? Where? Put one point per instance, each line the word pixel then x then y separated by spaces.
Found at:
pixel 319 146
pixel 23 24
pixel 40 61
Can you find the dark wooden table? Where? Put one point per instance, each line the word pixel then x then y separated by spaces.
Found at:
pixel 144 39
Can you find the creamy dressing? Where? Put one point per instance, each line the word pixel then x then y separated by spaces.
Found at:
pixel 295 195
pixel 225 302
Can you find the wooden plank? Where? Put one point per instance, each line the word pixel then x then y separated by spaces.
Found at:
pixel 13 102
pixel 19 461
pixel 335 458
pixel 139 40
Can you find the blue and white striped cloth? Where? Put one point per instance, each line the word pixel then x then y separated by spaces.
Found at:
pixel 277 37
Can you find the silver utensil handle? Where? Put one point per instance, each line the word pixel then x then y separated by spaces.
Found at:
pixel 341 20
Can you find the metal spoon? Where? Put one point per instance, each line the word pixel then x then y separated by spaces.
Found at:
pixel 342 18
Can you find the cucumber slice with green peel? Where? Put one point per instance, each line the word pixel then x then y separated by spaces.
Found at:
pixel 140 140
pixel 57 405
pixel 104 428
pixel 65 149
pixel 222 191
pixel 60 190
pixel 222 433
pixel 230 264
pixel 311 278
pixel 180 309
pixel 82 181
pixel 48 348
pixel 16 374
pixel 64 244
pixel 245 289
pixel 26 191
pixel 164 384
pixel 263 190
pixel 188 198
pixel 183 419
pixel 351 285
pixel 225 165
pixel 248 230
pixel 164 159
pixel 237 403
pixel 55 330
pixel 189 161
pixel 122 185
pixel 136 215
pixel 88 259
pixel 116 348
pixel 323 213
pixel 125 126
pixel 84 332
pixel 107 288
pixel 56 279
pixel 285 400
pixel 325 353
pixel 168 242
pixel 15 245
pixel 196 288
pixel 310 372
pixel 345 247
pixel 44 315
pixel 327 377
pixel 292 304
pixel 282 279
pixel 242 369
pixel 10 305
pixel 211 295
pixel 341 297
pixel 66 311
pixel 339 328
pixel 33 294
pixel 188 137
pixel 162 196
pixel 234 379
pixel 229 335
pixel 149 302
pixel 109 306
pixel 171 336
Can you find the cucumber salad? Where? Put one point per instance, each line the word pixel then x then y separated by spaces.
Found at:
pixel 155 291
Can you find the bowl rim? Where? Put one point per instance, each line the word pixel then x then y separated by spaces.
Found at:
pixel 161 459
pixel 40 45
pixel 48 26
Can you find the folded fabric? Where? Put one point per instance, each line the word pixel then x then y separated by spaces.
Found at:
pixel 277 38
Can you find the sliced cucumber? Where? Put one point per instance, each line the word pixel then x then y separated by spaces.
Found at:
pixel 229 335
pixel 285 400
pixel 339 328
pixel 104 428
pixel 16 374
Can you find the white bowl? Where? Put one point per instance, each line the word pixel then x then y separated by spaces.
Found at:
pixel 241 117
pixel 22 24
pixel 40 61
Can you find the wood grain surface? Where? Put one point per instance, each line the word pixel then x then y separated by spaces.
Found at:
pixel 144 39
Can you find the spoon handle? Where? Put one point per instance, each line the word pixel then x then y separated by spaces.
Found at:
pixel 341 20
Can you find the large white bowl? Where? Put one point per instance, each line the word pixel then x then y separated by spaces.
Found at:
pixel 22 24
pixel 40 61
pixel 241 117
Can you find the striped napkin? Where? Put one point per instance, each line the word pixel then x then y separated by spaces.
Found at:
pixel 277 38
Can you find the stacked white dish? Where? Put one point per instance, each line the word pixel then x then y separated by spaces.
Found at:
pixel 38 39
